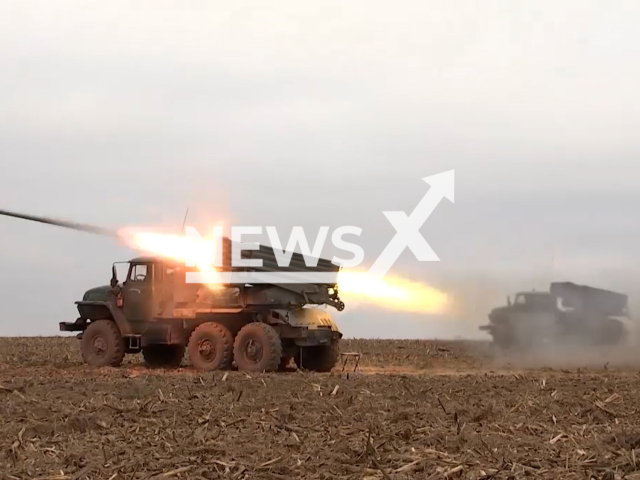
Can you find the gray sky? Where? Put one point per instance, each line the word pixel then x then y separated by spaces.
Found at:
pixel 120 113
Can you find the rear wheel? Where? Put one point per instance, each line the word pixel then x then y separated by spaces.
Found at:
pixel 211 347
pixel 102 344
pixel 320 358
pixel 167 356
pixel 257 348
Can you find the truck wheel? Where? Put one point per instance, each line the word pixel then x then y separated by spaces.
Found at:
pixel 102 344
pixel 168 356
pixel 211 347
pixel 318 359
pixel 257 348
pixel 502 340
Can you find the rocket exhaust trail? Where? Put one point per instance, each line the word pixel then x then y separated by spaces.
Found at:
pixel 62 223
pixel 394 292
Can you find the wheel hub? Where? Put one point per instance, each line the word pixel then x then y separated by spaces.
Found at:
pixel 207 350
pixel 253 351
pixel 99 345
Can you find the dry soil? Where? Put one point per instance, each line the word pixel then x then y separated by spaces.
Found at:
pixel 414 409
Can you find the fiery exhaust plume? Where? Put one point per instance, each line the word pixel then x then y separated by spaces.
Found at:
pixel 176 247
pixel 391 292
pixel 355 287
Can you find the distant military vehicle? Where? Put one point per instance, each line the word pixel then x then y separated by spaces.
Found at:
pixel 566 314
pixel 155 311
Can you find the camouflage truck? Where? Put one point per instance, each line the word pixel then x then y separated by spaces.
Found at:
pixel 567 314
pixel 260 327
pixel 155 311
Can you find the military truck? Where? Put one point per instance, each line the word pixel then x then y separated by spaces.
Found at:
pixel 155 311
pixel 260 327
pixel 566 314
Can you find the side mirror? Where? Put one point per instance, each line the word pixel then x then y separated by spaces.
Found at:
pixel 114 277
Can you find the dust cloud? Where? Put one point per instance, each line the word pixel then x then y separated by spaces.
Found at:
pixel 474 296
pixel 569 357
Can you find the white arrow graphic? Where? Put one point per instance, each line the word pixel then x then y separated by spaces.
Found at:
pixel 408 227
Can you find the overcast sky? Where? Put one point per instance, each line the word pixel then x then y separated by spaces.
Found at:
pixel 291 113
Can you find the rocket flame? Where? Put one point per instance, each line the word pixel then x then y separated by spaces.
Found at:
pixel 390 292
pixel 175 247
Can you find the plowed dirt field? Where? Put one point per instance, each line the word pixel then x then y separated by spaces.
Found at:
pixel 415 409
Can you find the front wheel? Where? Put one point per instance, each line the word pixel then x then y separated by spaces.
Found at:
pixel 257 348
pixel 102 344
pixel 503 338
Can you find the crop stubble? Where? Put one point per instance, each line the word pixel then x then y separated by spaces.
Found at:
pixel 418 409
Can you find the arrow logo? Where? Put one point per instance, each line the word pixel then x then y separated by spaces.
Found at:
pixel 408 226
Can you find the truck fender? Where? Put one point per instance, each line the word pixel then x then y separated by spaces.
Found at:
pixel 117 314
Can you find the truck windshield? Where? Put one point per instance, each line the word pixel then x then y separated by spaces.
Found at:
pixel 139 273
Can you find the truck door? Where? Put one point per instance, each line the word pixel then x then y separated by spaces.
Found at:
pixel 138 296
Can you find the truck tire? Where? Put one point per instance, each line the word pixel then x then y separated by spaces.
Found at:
pixel 163 356
pixel 318 359
pixel 102 344
pixel 257 348
pixel 211 347
pixel 502 338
